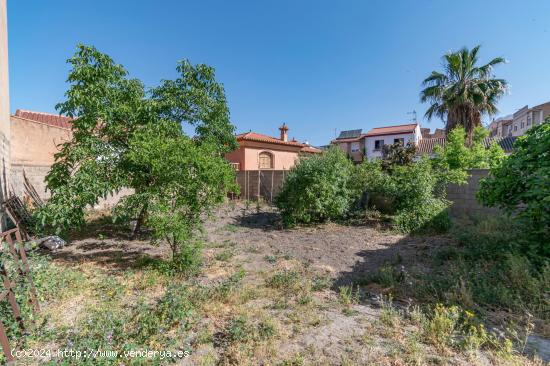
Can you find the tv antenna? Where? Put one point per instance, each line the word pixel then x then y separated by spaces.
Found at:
pixel 413 118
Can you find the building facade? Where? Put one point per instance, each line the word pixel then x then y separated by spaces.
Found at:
pixel 501 127
pixel 526 117
pixel 352 142
pixel 376 138
pixel 4 103
pixel 262 152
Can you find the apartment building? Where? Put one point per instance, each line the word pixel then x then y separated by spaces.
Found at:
pixel 501 127
pixel 526 117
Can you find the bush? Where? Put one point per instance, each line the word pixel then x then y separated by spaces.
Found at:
pixel 411 191
pixel 486 268
pixel 521 187
pixel 317 189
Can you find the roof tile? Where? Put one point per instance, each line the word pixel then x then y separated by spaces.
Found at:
pixel 46 118
pixel 392 130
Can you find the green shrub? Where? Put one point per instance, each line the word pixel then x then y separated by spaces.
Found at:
pixel 410 192
pixel 521 187
pixel 317 189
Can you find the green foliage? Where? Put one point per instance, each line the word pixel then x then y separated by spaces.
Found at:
pixel 464 91
pixel 456 157
pixel 397 154
pixel 411 192
pixel 521 186
pixel 317 189
pixel 487 268
pixel 127 137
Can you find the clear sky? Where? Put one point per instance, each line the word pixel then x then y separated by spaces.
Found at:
pixel 320 66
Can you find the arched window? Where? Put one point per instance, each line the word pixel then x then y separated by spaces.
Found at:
pixel 266 160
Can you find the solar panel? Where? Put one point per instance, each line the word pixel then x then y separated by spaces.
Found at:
pixel 349 134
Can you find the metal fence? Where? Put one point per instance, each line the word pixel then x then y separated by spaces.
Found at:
pixel 260 184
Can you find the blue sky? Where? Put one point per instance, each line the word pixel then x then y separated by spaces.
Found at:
pixel 320 66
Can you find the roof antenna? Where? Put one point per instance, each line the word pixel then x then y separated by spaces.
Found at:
pixel 413 114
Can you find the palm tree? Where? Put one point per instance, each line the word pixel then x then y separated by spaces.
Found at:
pixel 464 92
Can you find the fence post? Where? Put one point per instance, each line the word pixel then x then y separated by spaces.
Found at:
pixel 18 255
pixel 5 343
pixel 271 192
pixel 259 187
pixel 8 293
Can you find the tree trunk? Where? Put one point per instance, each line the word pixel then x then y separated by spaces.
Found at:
pixel 139 222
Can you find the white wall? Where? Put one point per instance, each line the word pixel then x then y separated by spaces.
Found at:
pixel 389 140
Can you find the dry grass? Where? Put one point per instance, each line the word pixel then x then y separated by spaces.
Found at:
pixel 281 310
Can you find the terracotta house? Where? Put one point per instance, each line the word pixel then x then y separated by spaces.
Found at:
pixel 262 152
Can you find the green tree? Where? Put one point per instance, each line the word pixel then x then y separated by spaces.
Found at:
pixel 464 92
pixel 317 189
pixel 453 160
pixel 521 187
pixel 398 154
pixel 127 137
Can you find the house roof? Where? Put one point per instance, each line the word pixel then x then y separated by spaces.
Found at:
pixel 46 118
pixel 392 130
pixel 258 137
pixel 426 146
pixel 351 139
pixel 349 134
pixel 311 149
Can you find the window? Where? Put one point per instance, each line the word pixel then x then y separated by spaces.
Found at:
pixel 529 121
pixel 400 141
pixel 378 144
pixel 515 127
pixel 266 160
pixel 522 124
pixel 354 147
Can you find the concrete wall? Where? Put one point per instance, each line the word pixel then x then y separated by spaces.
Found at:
pixel 464 196
pixel 33 147
pixel 35 143
pixel 4 103
pixel 268 182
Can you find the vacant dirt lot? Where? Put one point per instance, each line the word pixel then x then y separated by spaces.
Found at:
pixel 296 284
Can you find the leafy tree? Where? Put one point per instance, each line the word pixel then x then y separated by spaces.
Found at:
pixel 464 91
pixel 453 160
pixel 317 189
pixel 521 187
pixel 125 136
pixel 398 154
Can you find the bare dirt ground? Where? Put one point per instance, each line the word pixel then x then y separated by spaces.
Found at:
pixel 314 321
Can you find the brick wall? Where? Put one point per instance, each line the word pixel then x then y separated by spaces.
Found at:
pixel 268 182
pixel 464 196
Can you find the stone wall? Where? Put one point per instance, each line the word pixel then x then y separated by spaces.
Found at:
pixel 464 196
pixel 268 182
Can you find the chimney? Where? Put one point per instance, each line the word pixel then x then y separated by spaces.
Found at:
pixel 284 132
